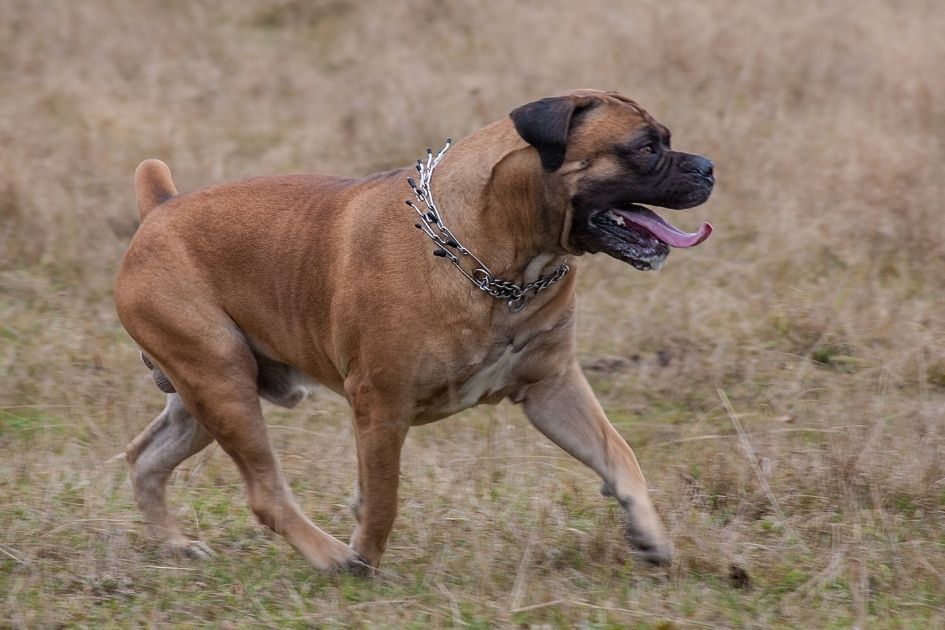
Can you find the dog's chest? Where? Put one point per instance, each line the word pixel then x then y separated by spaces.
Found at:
pixel 477 371
pixel 491 378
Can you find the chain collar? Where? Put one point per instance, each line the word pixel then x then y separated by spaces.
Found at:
pixel 431 224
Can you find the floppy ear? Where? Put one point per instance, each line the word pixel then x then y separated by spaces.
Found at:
pixel 545 123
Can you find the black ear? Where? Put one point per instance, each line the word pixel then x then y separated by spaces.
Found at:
pixel 545 123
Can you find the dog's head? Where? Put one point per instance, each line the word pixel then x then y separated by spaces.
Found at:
pixel 611 156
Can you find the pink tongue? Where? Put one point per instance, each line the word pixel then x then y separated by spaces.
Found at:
pixel 663 230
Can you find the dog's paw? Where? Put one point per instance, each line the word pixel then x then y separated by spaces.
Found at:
pixel 189 548
pixel 653 548
pixel 357 567
pixel 659 554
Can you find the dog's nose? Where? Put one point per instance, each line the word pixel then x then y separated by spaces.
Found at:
pixel 701 165
pixel 709 171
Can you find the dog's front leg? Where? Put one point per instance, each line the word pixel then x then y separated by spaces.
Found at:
pixel 380 430
pixel 565 409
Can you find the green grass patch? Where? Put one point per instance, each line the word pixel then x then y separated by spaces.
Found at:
pixel 24 421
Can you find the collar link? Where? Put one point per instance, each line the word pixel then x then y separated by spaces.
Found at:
pixel 450 248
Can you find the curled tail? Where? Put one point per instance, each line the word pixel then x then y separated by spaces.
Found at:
pixel 153 185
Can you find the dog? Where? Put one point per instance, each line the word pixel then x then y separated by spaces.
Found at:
pixel 264 287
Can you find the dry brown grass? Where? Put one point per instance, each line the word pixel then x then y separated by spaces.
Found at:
pixel 816 308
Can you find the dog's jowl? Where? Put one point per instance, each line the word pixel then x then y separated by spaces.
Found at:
pixel 262 287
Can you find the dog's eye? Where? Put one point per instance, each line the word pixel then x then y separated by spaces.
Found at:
pixel 646 149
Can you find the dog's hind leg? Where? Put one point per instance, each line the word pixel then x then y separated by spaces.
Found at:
pixel 170 439
pixel 210 363
pixel 215 373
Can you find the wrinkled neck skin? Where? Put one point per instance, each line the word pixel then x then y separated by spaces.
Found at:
pixel 494 196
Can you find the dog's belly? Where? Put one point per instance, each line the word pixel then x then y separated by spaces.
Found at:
pixel 278 382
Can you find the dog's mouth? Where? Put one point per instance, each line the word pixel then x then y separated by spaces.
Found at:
pixel 640 237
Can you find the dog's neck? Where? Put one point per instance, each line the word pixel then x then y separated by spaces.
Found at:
pixel 496 200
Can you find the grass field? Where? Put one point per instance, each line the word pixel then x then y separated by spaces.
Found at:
pixel 783 385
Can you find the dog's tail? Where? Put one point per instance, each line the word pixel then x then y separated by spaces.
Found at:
pixel 153 185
